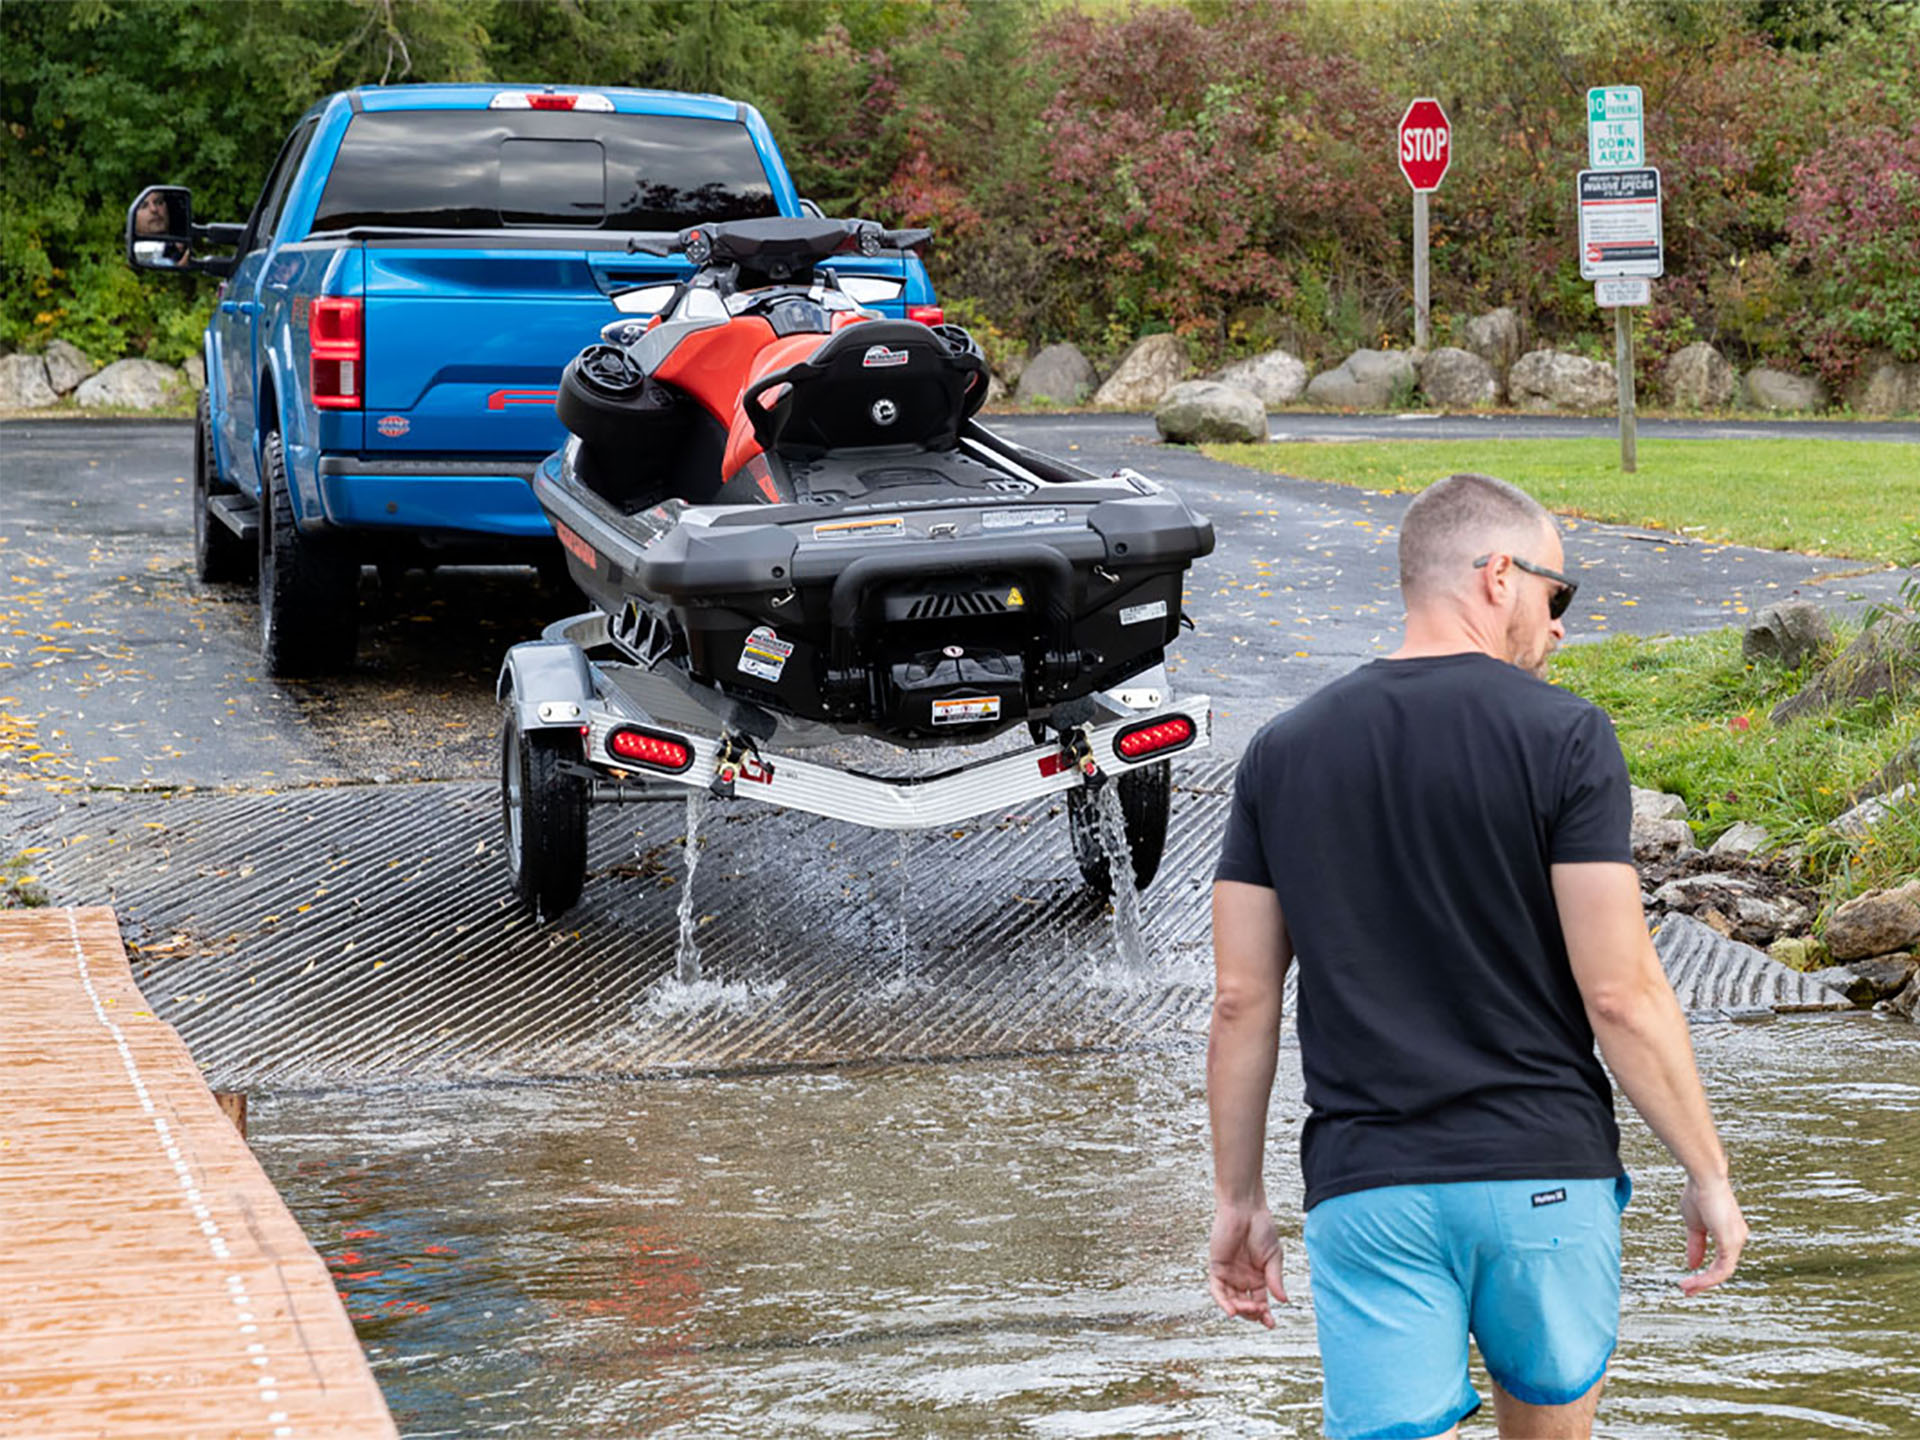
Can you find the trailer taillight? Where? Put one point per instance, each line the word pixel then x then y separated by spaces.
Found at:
pixel 338 366
pixel 1172 733
pixel 927 314
pixel 651 749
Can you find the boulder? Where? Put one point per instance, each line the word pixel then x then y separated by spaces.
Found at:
pixel 1842 978
pixel 1769 389
pixel 1458 379
pixel 1860 820
pixel 1698 377
pixel 1200 410
pixel 1555 380
pixel 1886 975
pixel 131 385
pixel 1887 389
pixel 1365 380
pixel 1906 1003
pixel 1276 377
pixel 1800 952
pixel 1495 338
pixel 1740 840
pixel 1656 805
pixel 1877 923
pixel 1013 365
pixel 1792 633
pixel 1883 659
pixel 67 366
pixel 996 392
pixel 195 369
pixel 1655 841
pixel 1746 912
pixel 1150 369
pixel 23 383
pixel 1058 375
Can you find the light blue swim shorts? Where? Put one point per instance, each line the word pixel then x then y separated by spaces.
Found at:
pixel 1403 1274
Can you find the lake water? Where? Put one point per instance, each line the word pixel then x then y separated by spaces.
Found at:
pixel 1014 1247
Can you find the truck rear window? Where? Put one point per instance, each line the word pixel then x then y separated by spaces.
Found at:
pixel 494 169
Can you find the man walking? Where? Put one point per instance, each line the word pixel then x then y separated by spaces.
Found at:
pixel 1442 839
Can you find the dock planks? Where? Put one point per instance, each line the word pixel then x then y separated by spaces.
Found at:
pixel 152 1284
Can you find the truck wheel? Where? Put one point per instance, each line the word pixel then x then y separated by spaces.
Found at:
pixel 1146 798
pixel 545 810
pixel 308 607
pixel 219 555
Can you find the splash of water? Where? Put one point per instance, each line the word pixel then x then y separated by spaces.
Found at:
pixel 686 959
pixel 1129 939
pixel 905 958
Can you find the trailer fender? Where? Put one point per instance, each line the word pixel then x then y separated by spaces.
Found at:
pixel 548 683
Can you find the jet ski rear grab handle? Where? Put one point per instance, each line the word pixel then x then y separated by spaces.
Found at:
pixel 729 762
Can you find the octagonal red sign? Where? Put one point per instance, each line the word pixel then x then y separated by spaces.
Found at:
pixel 1426 144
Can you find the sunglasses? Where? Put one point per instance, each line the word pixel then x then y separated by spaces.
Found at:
pixel 1562 597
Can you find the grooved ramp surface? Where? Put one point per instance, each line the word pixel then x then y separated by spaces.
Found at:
pixel 333 934
pixel 155 1285
pixel 1711 972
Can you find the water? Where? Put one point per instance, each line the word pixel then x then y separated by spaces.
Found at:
pixel 686 959
pixel 1128 940
pixel 1014 1247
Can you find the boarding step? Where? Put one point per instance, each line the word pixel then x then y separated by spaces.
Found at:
pixel 238 513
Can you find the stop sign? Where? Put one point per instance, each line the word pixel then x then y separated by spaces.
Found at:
pixel 1426 144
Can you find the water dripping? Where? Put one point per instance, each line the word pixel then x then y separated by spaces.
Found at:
pixel 686 960
pixel 1129 938
pixel 906 941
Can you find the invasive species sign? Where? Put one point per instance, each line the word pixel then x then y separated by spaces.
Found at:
pixel 1620 224
pixel 1616 138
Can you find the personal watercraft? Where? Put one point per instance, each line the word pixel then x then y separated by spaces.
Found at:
pixel 793 529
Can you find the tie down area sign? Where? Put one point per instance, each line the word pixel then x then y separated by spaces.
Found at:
pixel 1620 224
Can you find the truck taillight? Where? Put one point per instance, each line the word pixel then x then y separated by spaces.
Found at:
pixel 549 100
pixel 927 314
pixel 338 366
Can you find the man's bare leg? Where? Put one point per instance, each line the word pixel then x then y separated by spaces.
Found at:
pixel 1521 1421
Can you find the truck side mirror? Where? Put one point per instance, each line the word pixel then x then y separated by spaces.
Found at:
pixel 160 228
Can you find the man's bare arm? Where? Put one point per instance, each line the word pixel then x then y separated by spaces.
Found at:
pixel 1644 1038
pixel 1251 952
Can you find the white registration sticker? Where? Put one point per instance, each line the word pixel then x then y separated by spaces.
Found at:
pixel 1023 518
pixel 1139 614
pixel 966 710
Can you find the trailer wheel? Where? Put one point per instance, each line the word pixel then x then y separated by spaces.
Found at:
pixel 545 810
pixel 1146 799
pixel 308 602
pixel 219 556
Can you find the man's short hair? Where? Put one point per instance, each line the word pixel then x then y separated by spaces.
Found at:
pixel 1454 521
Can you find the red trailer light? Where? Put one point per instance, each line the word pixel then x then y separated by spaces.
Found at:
pixel 927 314
pixel 651 749
pixel 337 368
pixel 1173 733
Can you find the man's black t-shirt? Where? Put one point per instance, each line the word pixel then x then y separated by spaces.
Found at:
pixel 1408 816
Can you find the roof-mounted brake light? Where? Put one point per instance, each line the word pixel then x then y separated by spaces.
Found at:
pixel 550 100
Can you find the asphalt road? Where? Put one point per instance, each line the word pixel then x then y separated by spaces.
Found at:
pixel 118 669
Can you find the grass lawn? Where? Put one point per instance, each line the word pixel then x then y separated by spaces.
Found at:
pixel 1853 498
pixel 1692 719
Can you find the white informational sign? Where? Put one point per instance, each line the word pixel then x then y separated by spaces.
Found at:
pixel 1616 138
pixel 1620 231
pixel 1612 294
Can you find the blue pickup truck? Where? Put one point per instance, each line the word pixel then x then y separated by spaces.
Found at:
pixel 393 318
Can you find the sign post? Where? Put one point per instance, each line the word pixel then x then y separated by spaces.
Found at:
pixel 1426 149
pixel 1622 244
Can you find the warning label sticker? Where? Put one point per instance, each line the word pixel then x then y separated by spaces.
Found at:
pixel 765 655
pixel 860 529
pixel 966 710
pixel 1138 614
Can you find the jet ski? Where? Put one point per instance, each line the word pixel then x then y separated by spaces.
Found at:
pixel 793 529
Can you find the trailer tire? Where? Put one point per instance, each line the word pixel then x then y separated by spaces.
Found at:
pixel 1146 801
pixel 309 619
pixel 544 812
pixel 220 557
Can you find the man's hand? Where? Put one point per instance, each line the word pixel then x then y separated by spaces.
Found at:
pixel 1710 1210
pixel 1243 1263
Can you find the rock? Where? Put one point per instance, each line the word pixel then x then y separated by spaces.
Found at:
pixel 131 385
pixel 67 366
pixel 1890 389
pixel 1740 905
pixel 1906 1003
pixel 1365 380
pixel 1198 410
pixel 1877 923
pixel 1792 632
pixel 1013 366
pixel 1885 975
pixel 1656 805
pixel 1458 379
pixel 1856 823
pixel 1739 840
pixel 1659 840
pixel 1800 952
pixel 1883 659
pixel 1841 978
pixel 1276 377
pixel 1058 375
pixel 23 383
pixel 1555 380
pixel 1769 389
pixel 1495 338
pixel 996 392
pixel 1150 369
pixel 195 369
pixel 1698 377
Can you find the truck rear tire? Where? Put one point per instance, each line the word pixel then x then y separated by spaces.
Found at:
pixel 220 557
pixel 545 813
pixel 1146 800
pixel 309 619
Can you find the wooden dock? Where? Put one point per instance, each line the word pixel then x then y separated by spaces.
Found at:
pixel 152 1283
